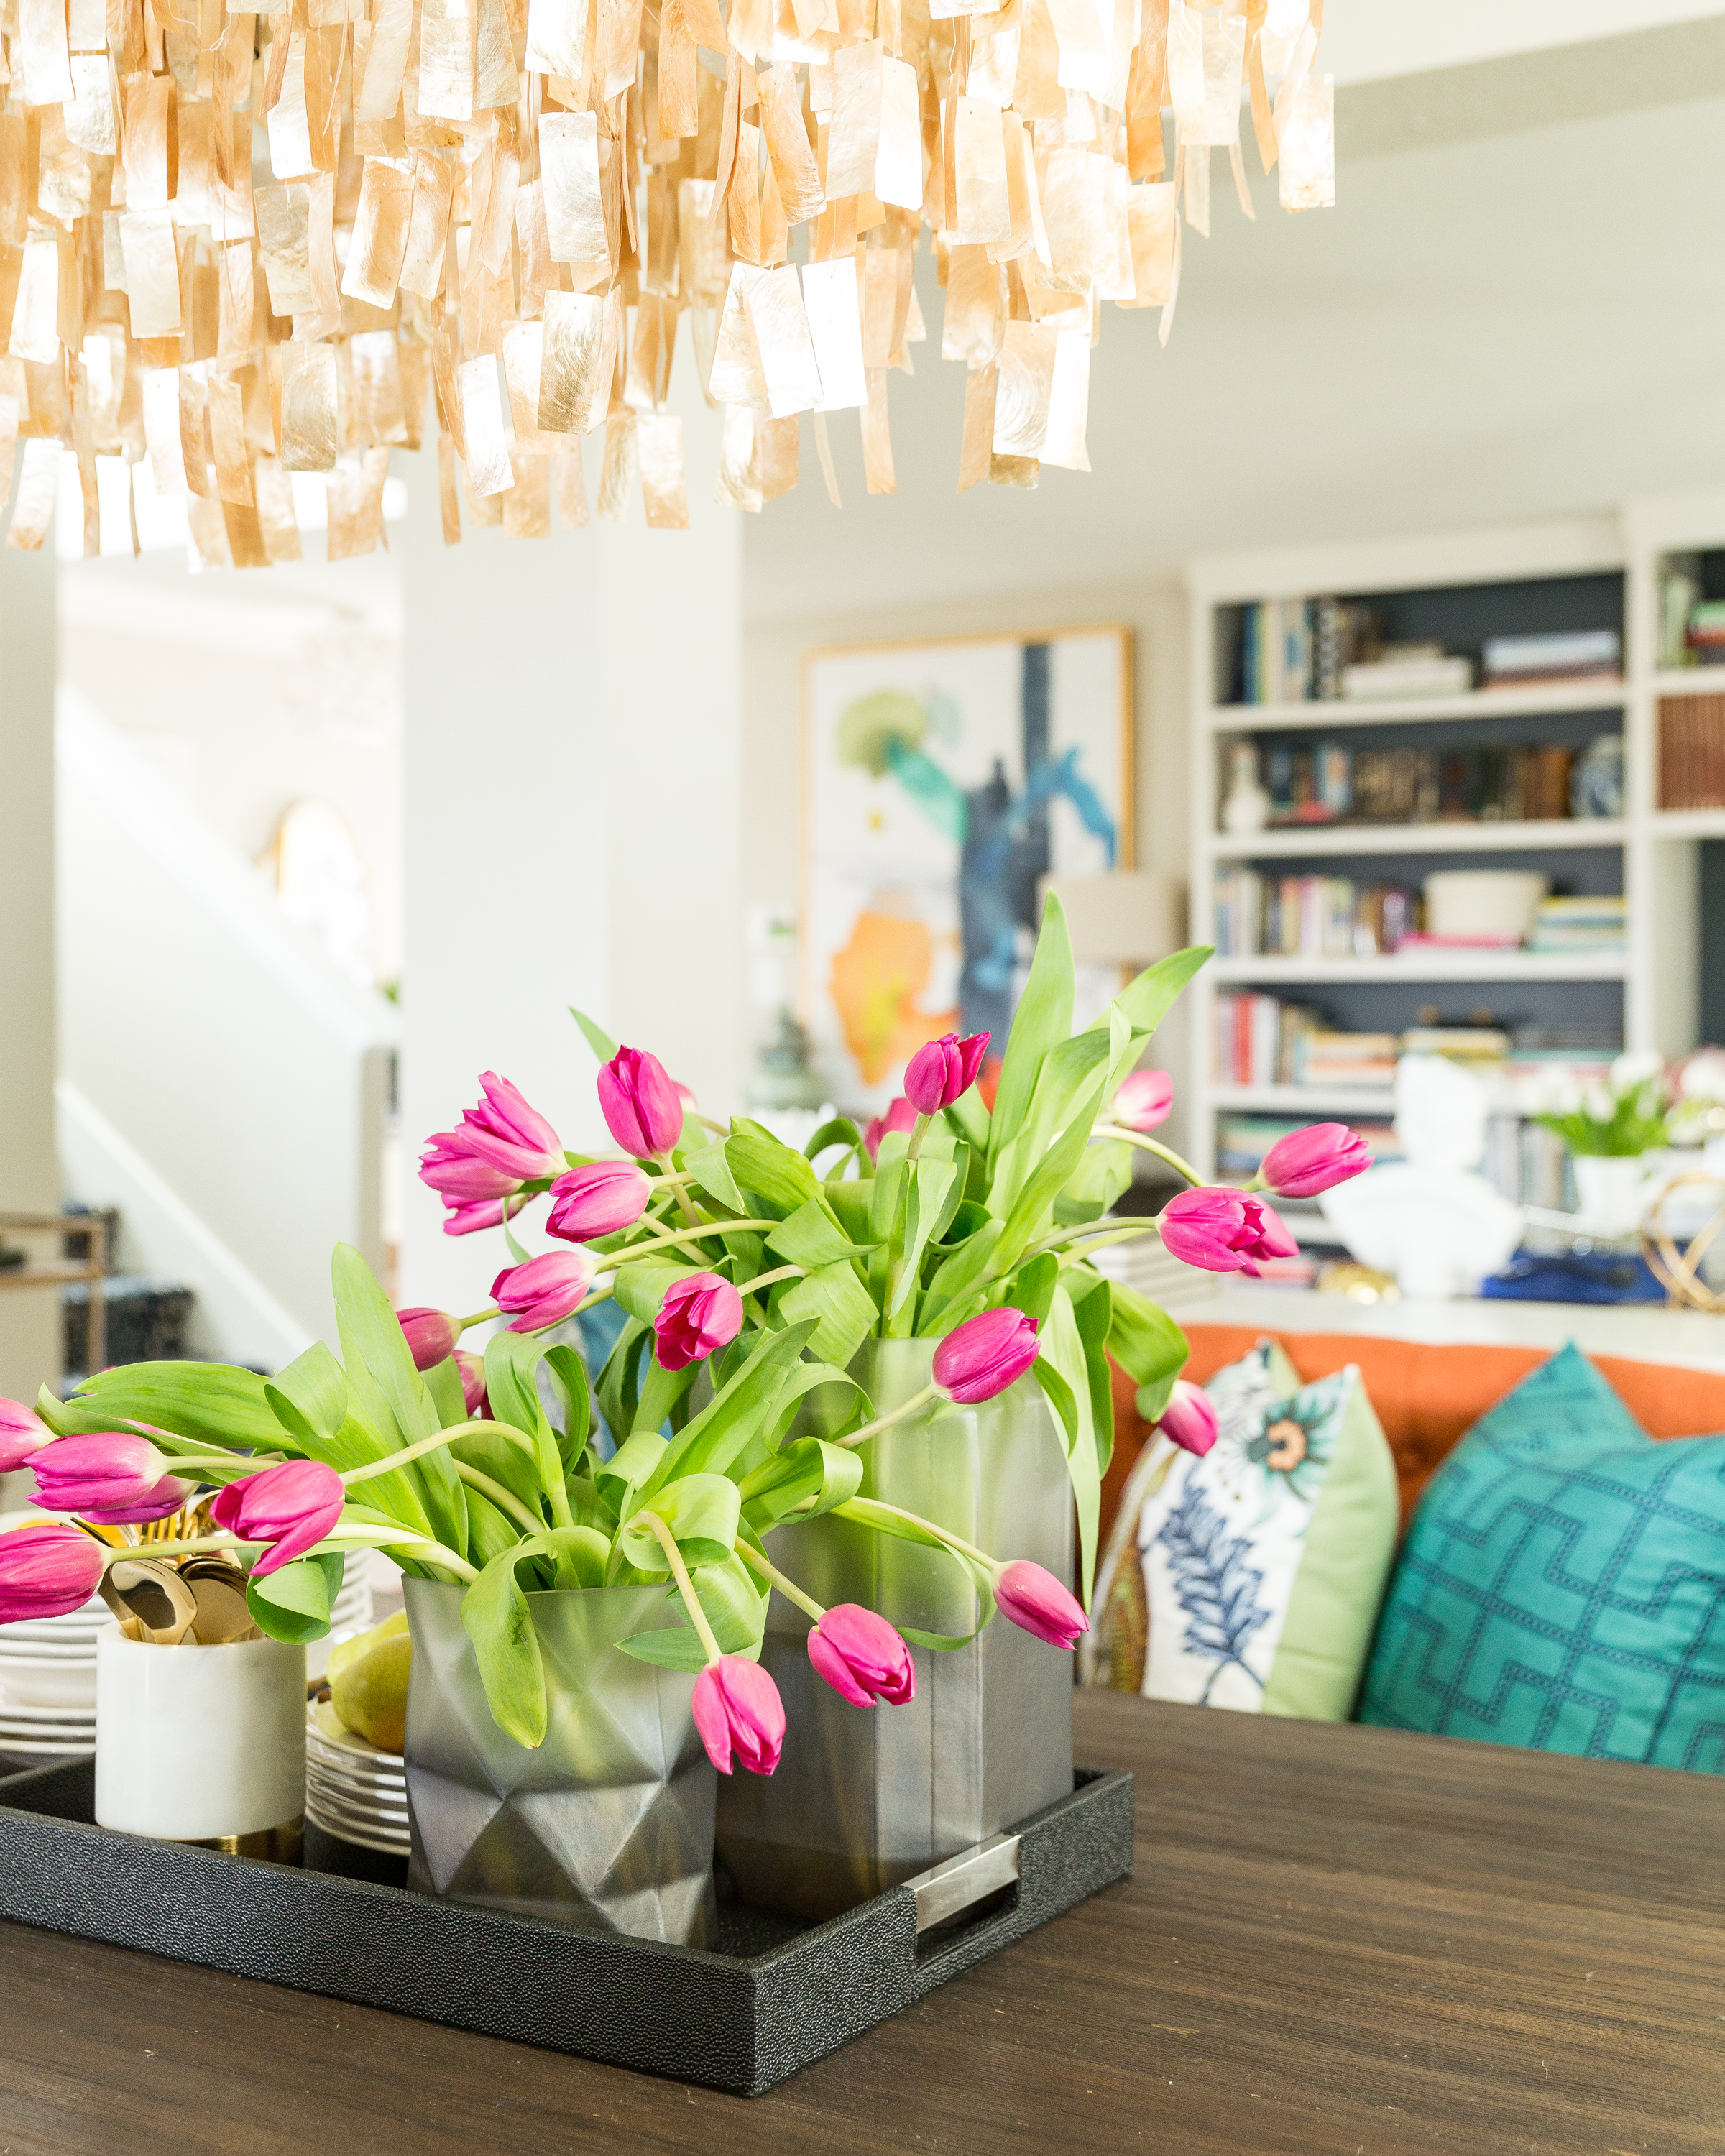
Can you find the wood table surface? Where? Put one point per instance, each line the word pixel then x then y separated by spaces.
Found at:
pixel 1339 1940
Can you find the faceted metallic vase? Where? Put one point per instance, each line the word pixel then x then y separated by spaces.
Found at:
pixel 608 1825
pixel 864 1799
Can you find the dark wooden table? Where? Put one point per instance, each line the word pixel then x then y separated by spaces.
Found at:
pixel 1338 1940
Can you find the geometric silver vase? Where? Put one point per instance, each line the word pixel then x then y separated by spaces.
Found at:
pixel 608 1824
pixel 865 1798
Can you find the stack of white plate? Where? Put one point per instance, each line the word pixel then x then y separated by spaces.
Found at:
pixel 353 1790
pixel 48 1682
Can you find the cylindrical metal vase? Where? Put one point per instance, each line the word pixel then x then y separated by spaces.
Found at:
pixel 608 1824
pixel 865 1798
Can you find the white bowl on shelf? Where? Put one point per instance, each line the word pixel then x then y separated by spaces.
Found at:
pixel 1483 901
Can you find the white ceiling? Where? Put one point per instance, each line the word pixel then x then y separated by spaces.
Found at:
pixel 1516 326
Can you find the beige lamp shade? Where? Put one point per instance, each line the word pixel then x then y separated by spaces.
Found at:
pixel 1130 918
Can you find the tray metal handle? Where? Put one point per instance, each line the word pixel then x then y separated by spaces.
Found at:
pixel 964 1879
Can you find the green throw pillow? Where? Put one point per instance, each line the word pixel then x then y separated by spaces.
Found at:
pixel 1563 1585
pixel 1251 1578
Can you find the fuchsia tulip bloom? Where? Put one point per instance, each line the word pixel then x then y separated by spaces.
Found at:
pixel 545 1291
pixel 430 1334
pixel 464 1220
pixel 291 1508
pixel 47 1572
pixel 939 1072
pixel 1035 1601
pixel 1315 1159
pixel 1189 1418
pixel 458 1178
pixel 507 1133
pixel 899 1117
pixel 1146 1098
pixel 700 1313
pixel 861 1657
pixel 643 1109
pixel 474 1396
pixel 21 1434
pixel 1224 1231
pixel 739 1712
pixel 111 1477
pixel 598 1200
pixel 985 1355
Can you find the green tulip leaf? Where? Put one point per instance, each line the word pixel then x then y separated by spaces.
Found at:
pixel 641 1286
pixel 760 1163
pixel 1042 1020
pixel 811 1237
pixel 733 1605
pixel 701 1511
pixel 807 1478
pixel 598 1040
pixel 294 1604
pixel 194 1406
pixel 840 1308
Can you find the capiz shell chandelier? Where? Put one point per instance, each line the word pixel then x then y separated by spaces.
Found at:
pixel 238 246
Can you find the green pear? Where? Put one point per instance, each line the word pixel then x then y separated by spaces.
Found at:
pixel 368 1682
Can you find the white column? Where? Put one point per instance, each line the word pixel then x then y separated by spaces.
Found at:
pixel 572 723
pixel 30 1177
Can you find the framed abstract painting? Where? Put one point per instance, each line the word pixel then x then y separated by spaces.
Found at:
pixel 942 779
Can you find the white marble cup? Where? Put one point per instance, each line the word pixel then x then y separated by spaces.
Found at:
pixel 199 1743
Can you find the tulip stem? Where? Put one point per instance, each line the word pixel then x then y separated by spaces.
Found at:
pixel 505 1500
pixel 850 1511
pixel 770 1279
pixel 929 1392
pixel 1095 1237
pixel 685 1586
pixel 775 1577
pixel 1149 1145
pixel 670 1167
pixel 503 1430
pixel 646 1248
pixel 477 1318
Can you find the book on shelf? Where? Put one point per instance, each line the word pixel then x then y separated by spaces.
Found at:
pixel 1551 658
pixel 1295 650
pixel 1309 917
pixel 1578 924
pixel 1392 676
pixel 1705 637
pixel 1691 752
pixel 1331 784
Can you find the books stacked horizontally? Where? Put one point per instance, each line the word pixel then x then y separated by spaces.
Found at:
pixel 1295 650
pixel 1478 1047
pixel 1552 659
pixel 1407 670
pixel 1342 1062
pixel 1577 925
pixel 1309 917
pixel 1691 752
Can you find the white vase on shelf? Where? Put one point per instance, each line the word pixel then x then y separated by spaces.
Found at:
pixel 1247 807
pixel 1608 1190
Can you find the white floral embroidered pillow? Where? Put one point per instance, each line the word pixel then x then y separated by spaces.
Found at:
pixel 1251 1578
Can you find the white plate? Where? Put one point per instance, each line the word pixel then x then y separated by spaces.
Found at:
pixel 42 1719
pixel 379 1818
pixel 71 1686
pixel 390 1804
pixel 16 1748
pixel 44 1650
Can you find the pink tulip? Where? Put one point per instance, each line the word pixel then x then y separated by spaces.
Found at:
pixel 861 1657
pixel 1190 1420
pixel 1035 1601
pixel 701 1313
pixel 430 1334
pixel 738 1710
pixel 985 1355
pixel 21 1434
pixel 112 1476
pixel 1146 1098
pixel 1223 1231
pixel 459 1176
pixel 940 1071
pixel 465 1219
pixel 599 1200
pixel 47 1572
pixel 474 1396
pixel 504 1131
pixel 899 1117
pixel 643 1109
pixel 1317 1159
pixel 291 1508
pixel 545 1291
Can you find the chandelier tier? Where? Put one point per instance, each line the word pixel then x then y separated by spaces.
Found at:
pixel 238 246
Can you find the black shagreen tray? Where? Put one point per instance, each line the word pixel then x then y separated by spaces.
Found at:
pixel 770 1999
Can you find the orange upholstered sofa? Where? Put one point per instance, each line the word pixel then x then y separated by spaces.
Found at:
pixel 1426 1397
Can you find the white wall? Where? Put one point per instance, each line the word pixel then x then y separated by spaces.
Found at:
pixel 29 1179
pixel 574 711
pixel 1155 611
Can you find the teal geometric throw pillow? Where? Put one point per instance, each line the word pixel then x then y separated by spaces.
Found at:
pixel 1563 1585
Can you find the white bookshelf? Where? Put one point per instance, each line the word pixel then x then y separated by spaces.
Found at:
pixel 1658 848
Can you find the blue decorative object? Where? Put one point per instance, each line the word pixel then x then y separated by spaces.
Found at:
pixel 1563 1585
pixel 1218 1589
